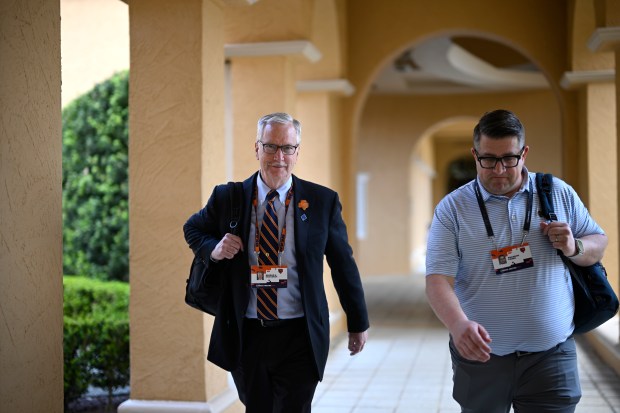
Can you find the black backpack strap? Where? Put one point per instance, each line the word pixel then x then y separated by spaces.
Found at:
pixel 544 186
pixel 235 200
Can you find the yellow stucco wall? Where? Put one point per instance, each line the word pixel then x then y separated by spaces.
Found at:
pixel 31 358
pixel 581 57
pixel 258 22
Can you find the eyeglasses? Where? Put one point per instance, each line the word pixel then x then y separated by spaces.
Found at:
pixel 509 161
pixel 286 149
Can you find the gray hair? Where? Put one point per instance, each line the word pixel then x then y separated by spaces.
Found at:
pixel 278 117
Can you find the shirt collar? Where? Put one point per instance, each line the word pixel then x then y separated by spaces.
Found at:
pixel 263 189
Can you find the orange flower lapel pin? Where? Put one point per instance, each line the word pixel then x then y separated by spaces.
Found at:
pixel 303 204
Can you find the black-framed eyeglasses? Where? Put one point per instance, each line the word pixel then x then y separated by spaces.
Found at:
pixel 508 161
pixel 286 149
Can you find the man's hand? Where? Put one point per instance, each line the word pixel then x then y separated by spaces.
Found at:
pixel 227 248
pixel 471 341
pixel 357 341
pixel 561 236
pixel 470 338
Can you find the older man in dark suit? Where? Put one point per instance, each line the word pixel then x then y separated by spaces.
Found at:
pixel 272 325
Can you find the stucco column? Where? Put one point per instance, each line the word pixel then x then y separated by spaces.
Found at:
pixel 597 152
pixel 607 39
pixel 258 86
pixel 318 142
pixel 31 323
pixel 617 90
pixel 600 140
pixel 261 81
pixel 176 156
pixel 318 109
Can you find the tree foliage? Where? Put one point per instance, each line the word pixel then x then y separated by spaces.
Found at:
pixel 95 182
pixel 96 336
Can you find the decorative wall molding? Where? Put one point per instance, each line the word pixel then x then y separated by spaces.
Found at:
pixel 339 86
pixel 605 39
pixel 573 80
pixel 302 48
pixel 233 2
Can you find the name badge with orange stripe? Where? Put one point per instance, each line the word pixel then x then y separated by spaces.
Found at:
pixel 268 276
pixel 512 258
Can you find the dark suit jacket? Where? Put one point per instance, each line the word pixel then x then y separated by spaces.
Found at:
pixel 321 233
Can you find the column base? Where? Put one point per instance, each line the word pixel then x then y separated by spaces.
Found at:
pixel 218 404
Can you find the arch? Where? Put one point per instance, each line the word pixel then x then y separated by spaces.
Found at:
pixel 390 127
pixel 378 32
pixel 427 180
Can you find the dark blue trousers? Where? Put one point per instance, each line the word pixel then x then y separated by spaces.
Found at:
pixel 278 373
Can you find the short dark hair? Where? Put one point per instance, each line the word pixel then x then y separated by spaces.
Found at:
pixel 499 124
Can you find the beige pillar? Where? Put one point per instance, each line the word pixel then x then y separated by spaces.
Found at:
pixel 31 332
pixel 600 139
pixel 318 139
pixel 262 81
pixel 318 111
pixel 177 155
pixel 617 90
pixel 597 152
pixel 259 86
pixel 421 177
pixel 606 38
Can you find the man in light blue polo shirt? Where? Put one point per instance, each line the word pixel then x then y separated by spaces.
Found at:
pixel 494 278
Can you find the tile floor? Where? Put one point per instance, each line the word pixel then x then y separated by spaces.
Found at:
pixel 405 366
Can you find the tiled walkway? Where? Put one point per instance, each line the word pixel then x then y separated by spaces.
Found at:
pixel 405 366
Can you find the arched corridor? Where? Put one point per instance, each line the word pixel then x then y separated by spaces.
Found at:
pixel 202 72
pixel 405 366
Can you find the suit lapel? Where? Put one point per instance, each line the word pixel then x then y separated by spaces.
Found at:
pixel 248 191
pixel 302 217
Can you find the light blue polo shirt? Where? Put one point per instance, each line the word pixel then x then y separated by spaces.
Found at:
pixel 530 309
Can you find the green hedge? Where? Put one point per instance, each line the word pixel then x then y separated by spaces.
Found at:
pixel 96 335
pixel 95 181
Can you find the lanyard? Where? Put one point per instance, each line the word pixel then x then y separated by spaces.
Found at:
pixel 282 237
pixel 485 215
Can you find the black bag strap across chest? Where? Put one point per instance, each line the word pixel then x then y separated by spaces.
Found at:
pixel 235 200
pixel 544 185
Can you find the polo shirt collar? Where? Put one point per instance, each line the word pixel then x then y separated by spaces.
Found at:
pixel 524 185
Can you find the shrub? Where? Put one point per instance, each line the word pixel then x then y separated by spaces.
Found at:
pixel 95 182
pixel 96 336
pixel 76 373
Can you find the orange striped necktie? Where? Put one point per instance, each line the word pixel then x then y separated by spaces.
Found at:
pixel 267 298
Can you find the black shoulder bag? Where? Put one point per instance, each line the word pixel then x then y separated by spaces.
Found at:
pixel 204 286
pixel 595 300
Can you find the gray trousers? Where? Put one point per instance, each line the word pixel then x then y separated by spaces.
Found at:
pixel 543 382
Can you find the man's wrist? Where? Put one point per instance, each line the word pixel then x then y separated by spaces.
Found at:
pixel 579 250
